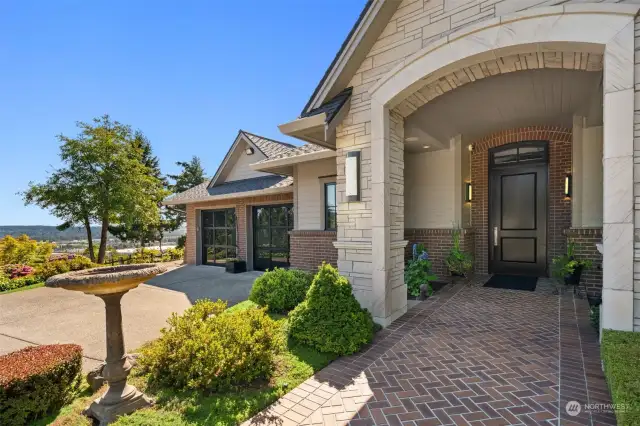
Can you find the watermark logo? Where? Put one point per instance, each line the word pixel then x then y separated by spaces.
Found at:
pixel 573 408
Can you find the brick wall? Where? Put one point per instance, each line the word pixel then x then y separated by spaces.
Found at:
pixel 585 240
pixel 310 248
pixel 240 204
pixel 438 242
pixel 559 207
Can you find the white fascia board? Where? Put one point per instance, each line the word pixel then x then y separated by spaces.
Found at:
pixel 303 158
pixel 245 194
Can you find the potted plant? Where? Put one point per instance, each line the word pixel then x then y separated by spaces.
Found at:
pixel 458 261
pixel 418 272
pixel 568 268
pixel 235 266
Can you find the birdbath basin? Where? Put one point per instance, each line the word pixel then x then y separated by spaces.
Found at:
pixel 110 284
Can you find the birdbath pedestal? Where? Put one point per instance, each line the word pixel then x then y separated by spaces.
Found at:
pixel 110 284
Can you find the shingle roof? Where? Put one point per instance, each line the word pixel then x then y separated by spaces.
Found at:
pixel 300 150
pixel 269 147
pixel 201 192
pixel 332 106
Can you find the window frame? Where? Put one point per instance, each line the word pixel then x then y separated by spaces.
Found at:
pixel 326 205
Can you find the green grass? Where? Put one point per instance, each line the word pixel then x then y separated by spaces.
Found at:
pixel 621 356
pixel 27 287
pixel 294 364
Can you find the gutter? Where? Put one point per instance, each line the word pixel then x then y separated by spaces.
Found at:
pixel 268 191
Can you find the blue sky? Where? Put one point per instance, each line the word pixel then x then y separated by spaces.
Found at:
pixel 188 74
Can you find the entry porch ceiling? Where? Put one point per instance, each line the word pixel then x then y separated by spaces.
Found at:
pixel 545 97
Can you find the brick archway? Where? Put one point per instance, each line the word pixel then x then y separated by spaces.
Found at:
pixel 560 140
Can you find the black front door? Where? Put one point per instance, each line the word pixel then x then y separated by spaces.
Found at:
pixel 271 226
pixel 518 209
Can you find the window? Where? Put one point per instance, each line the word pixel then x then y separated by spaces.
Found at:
pixel 218 236
pixel 530 151
pixel 330 218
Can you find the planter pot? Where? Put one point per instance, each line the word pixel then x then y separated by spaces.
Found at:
pixel 435 286
pixel 236 267
pixel 574 279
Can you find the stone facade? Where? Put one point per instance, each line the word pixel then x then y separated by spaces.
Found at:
pixel 438 243
pixel 559 208
pixel 240 205
pixel 585 240
pixel 310 248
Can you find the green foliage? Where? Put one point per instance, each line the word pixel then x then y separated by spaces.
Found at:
pixel 210 350
pixel 330 319
pixel 458 261
pixel 24 250
pixel 182 240
pixel 418 272
pixel 8 284
pixel 281 290
pixel 49 269
pixel 621 356
pixel 594 317
pixel 192 174
pixel 567 263
pixel 37 380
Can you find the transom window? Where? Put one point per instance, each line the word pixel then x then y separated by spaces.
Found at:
pixel 330 207
pixel 218 236
pixel 524 152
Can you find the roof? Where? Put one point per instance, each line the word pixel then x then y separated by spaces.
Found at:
pixel 202 192
pixel 269 147
pixel 300 150
pixel 332 106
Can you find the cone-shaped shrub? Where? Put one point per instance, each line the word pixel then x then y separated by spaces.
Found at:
pixel 330 319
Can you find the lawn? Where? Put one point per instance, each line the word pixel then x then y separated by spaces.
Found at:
pixel 28 287
pixel 621 356
pixel 294 365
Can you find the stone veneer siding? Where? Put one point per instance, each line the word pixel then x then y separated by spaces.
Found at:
pixel 585 240
pixel 559 207
pixel 308 249
pixel 240 205
pixel 437 242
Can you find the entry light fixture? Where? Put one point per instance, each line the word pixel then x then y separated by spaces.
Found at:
pixel 352 176
pixel 468 192
pixel 568 185
pixel 249 151
pixel 470 147
pixel 426 146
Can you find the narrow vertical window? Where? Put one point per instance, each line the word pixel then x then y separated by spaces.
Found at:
pixel 330 219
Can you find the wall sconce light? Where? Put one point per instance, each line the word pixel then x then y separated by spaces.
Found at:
pixel 568 185
pixel 468 192
pixel 470 147
pixel 249 151
pixel 352 176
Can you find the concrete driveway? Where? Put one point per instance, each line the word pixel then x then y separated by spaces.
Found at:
pixel 45 316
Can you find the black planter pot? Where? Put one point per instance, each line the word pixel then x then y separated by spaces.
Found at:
pixel 236 267
pixel 435 287
pixel 574 279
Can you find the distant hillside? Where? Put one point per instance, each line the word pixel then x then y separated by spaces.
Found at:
pixel 50 233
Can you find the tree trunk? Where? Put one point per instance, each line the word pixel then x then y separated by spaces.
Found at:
pixel 87 226
pixel 104 234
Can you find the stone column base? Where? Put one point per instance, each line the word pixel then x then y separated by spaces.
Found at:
pixel 106 414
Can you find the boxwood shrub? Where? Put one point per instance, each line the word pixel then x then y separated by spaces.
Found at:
pixel 212 350
pixel 38 380
pixel 281 290
pixel 330 319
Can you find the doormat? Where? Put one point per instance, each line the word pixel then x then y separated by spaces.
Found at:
pixel 512 282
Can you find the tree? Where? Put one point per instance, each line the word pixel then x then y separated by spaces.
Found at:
pixel 192 174
pixel 109 174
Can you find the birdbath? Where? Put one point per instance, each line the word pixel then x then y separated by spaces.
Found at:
pixel 110 284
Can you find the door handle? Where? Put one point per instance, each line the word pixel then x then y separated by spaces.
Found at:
pixel 495 236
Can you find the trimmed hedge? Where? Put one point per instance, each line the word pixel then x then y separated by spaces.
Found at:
pixel 49 269
pixel 331 319
pixel 621 355
pixel 7 283
pixel 38 380
pixel 209 349
pixel 281 290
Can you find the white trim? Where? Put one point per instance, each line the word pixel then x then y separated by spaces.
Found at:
pixel 234 146
pixel 354 245
pixel 233 195
pixel 288 161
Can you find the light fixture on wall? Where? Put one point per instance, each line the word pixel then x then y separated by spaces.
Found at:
pixel 568 184
pixel 468 192
pixel 249 151
pixel 470 147
pixel 352 176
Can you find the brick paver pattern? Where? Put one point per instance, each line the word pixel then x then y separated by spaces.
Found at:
pixel 469 355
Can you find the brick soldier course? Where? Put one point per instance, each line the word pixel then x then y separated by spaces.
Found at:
pixel 468 356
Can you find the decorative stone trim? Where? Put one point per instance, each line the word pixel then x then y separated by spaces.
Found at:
pixel 352 245
pixel 308 249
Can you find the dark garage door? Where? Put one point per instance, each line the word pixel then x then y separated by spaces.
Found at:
pixel 271 226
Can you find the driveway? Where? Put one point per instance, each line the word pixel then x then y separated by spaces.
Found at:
pixel 45 315
pixel 468 355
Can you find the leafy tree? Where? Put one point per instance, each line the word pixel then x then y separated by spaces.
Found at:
pixel 192 174
pixel 109 173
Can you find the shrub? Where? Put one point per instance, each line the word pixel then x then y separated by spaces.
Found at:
pixel 330 319
pixel 621 356
pixel 7 283
pixel 17 271
pixel 24 250
pixel 49 269
pixel 281 290
pixel 458 261
pixel 182 241
pixel 212 350
pixel 418 271
pixel 38 380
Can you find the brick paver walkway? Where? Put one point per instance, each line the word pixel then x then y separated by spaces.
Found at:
pixel 467 356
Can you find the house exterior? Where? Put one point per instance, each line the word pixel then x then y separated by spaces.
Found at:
pixel 511 122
